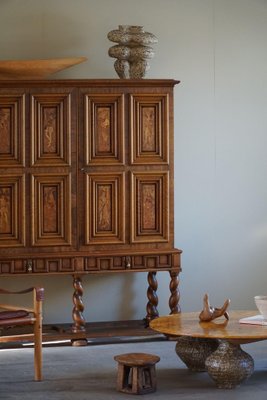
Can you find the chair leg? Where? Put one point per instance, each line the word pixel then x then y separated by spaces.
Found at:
pixel 38 358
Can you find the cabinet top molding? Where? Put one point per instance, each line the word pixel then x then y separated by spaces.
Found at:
pixel 90 82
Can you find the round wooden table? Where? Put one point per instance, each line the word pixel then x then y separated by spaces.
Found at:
pixel 213 346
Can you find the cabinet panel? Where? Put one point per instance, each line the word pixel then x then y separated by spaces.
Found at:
pixel 150 207
pixel 12 210
pixel 12 130
pixel 104 129
pixel 56 264
pixel 151 261
pixel 149 128
pixel 130 262
pixel 50 130
pixel 51 196
pixel 104 263
pixel 104 199
pixel 13 266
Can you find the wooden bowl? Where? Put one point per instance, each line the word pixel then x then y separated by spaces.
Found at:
pixel 36 69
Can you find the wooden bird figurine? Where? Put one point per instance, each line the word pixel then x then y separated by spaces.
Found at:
pixel 209 313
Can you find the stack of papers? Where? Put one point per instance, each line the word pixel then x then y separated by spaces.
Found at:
pixel 255 320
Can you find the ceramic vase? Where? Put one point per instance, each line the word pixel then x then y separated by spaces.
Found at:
pixel 229 365
pixel 132 51
pixel 194 351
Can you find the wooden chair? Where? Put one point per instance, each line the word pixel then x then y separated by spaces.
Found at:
pixel 15 316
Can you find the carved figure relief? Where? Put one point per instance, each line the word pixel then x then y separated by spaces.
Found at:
pixel 5 206
pixel 5 130
pixel 50 209
pixel 148 137
pixel 148 206
pixel 49 121
pixel 103 130
pixel 104 208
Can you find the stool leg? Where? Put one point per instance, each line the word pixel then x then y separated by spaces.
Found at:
pixel 122 378
pixel 136 378
pixel 147 378
pixel 127 377
pixel 153 379
pixel 144 380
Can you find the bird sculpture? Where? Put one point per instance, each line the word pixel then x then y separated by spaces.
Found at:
pixel 209 313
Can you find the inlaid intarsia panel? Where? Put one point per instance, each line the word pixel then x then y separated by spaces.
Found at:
pixel 51 129
pixel 150 207
pixel 105 206
pixel 104 133
pixel 12 130
pixel 51 224
pixel 149 129
pixel 12 211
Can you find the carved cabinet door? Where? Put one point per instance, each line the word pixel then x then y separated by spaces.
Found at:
pixel 12 169
pixel 103 169
pixel 149 160
pixel 36 169
pixel 52 170
pixel 124 171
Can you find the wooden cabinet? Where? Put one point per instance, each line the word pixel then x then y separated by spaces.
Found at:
pixel 86 181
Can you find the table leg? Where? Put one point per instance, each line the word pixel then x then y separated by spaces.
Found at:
pixel 229 365
pixel 194 351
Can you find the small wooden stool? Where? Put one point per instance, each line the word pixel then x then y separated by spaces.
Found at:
pixel 136 373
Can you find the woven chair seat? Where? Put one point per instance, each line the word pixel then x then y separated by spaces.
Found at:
pixel 13 314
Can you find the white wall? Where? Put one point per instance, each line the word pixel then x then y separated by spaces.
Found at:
pixel 217 48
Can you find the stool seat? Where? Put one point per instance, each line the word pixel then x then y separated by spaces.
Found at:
pixel 136 373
